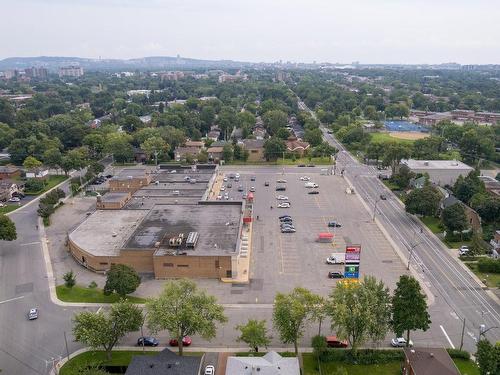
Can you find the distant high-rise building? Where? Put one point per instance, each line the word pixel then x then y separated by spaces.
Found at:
pixel 70 71
pixel 36 72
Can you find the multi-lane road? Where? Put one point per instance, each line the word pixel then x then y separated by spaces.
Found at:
pixel 457 295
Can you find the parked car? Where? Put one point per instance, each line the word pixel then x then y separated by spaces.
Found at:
pixel 229 186
pixel 186 341
pixel 224 179
pixel 222 188
pixel 310 165
pixel 287 230
pixel 14 199
pixel 305 178
pixel 335 275
pixel 282 197
pixel 399 342
pixel 148 341
pixel 109 175
pixel 383 197
pixel 284 205
pixel 464 250
pixel 284 216
pixel 281 181
pixel 335 342
pixel 252 178
pixel 210 370
pixel 334 224
pixel 240 188
pixel 313 192
pixel 219 197
pixel 33 314
pixel 287 226
pixel 266 183
pixel 301 165
pixel 252 189
pixel 280 188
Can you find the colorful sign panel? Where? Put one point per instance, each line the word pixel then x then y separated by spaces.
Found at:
pixel 352 261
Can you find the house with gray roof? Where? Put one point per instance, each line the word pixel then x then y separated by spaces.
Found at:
pixel 165 362
pixel 270 364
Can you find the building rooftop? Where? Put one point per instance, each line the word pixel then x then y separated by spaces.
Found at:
pixel 431 361
pixel 253 143
pixel 130 172
pixel 113 197
pixel 165 362
pixel 270 364
pixel 104 232
pixel 435 164
pixel 217 224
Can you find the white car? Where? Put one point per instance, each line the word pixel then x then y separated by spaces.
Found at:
pixel 284 205
pixel 225 179
pixel 33 314
pixel 464 250
pixel 237 175
pixel 282 197
pixel 305 178
pixel 311 185
pixel 400 342
pixel 219 197
pixel 14 199
pixel 281 181
pixel 222 188
pixel 210 370
pixel 252 189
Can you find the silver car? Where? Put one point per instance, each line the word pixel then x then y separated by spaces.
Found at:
pixel 33 314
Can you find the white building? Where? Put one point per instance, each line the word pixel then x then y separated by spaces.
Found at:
pixel 70 71
pixel 270 364
pixel 441 172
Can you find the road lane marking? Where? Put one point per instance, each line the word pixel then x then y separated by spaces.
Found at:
pixel 30 243
pixel 447 337
pixel 12 299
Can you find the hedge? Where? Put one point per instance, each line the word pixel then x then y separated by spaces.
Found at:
pixel 362 356
pixel 458 354
pixel 488 265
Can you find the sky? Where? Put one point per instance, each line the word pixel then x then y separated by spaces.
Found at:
pixel 368 31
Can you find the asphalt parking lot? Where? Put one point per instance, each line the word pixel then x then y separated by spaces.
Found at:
pixel 281 261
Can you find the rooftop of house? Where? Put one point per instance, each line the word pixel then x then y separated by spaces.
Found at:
pixel 293 144
pixel 215 149
pixel 165 362
pixel 113 197
pixel 194 144
pixel 218 144
pixel 431 361
pixel 187 150
pixel 436 164
pixel 8 169
pixel 270 364
pixel 253 143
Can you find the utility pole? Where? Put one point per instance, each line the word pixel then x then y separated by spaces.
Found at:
pixel 463 331
pixel 66 342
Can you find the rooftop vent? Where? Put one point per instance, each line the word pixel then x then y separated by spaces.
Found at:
pixel 426 163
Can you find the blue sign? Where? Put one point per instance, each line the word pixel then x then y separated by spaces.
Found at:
pixel 351 275
pixel 351 271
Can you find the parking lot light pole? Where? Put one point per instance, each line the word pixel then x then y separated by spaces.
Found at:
pixel 375 208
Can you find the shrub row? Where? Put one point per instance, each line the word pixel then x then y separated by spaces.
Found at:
pixel 460 354
pixel 362 356
pixel 489 265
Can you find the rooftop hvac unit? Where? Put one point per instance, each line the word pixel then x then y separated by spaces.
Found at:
pixel 192 239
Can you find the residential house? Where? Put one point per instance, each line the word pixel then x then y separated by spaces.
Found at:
pixel 270 364
pixel 296 146
pixel 9 189
pixel 181 152
pixel 139 155
pixel 9 171
pixel 441 172
pixel 146 119
pixel 199 144
pixel 215 153
pixel 418 183
pixel 40 173
pixel 473 217
pixel 428 361
pixel 492 186
pixel 214 133
pixel 165 362
pixel 495 243
pixel 255 148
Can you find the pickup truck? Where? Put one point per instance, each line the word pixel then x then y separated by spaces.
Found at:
pixel 338 258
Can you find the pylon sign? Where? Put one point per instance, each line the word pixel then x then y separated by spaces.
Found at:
pixel 352 261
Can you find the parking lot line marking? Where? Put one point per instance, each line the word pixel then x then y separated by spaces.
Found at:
pixel 12 299
pixel 447 337
pixel 30 243
pixel 281 254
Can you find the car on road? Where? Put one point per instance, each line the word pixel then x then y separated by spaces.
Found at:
pixel 286 221
pixel 229 186
pixel 287 226
pixel 383 197
pixel 335 275
pixel 33 314
pixel 240 188
pixel 334 224
pixel 266 183
pixel 310 165
pixel 280 188
pixel 284 205
pixel 305 178
pixel 281 181
pixel 287 230
pixel 301 165
pixel 400 342
pixel 252 189
pixel 226 196
pixel 237 175
pixel 219 197
pixel 313 192
pixel 209 370
pixel 147 341
pixel 329 131
pixel 310 185
pixel 224 179
pixel 464 250
pixel 252 178
pixel 284 217
pixel 14 199
pixel 282 197
pixel 186 341
pixel 335 342
pixel 222 188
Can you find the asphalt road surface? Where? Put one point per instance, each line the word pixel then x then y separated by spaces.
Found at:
pixel 457 295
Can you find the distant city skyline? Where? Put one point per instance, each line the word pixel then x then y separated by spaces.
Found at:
pixel 383 31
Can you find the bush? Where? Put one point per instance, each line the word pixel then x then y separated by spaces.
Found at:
pixel 362 357
pixel 457 236
pixel 34 185
pixel 92 285
pixel 69 279
pixel 488 265
pixel 459 354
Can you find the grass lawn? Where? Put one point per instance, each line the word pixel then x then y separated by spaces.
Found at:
pixel 310 363
pixel 466 367
pixel 8 208
pixel 386 137
pixel 390 185
pixel 492 280
pixel 433 223
pixel 51 181
pixel 456 245
pixel 119 358
pixel 91 295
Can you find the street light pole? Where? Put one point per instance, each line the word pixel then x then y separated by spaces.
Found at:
pixel 375 209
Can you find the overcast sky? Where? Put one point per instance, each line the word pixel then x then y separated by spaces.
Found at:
pixel 369 31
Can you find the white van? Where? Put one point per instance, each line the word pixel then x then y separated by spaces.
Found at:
pixel 311 185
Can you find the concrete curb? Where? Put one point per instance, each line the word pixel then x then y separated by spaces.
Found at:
pixel 397 249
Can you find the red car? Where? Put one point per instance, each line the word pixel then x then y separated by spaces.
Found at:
pixel 334 342
pixel 186 341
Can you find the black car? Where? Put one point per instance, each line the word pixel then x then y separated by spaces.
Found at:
pixel 148 341
pixel 301 165
pixel 334 224
pixel 252 178
pixel 313 192
pixel 285 216
pixel 109 175
pixel 310 165
pixel 286 219
pixel 335 275
pixel 230 185
pixel 280 188
pixel 383 197
pixel 266 183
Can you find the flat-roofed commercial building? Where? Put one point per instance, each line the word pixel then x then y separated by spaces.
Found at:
pixel 441 172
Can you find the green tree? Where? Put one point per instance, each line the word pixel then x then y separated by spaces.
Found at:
pixel 375 150
pixel 7 112
pixel 121 279
pixel 7 229
pixel 313 136
pixel 424 201
pixel 32 164
pixel 274 120
pixel 487 206
pixel 466 188
pixel 394 153
pixel 274 148
pixel 454 218
pixel 119 146
pixel 7 135
pixel 183 310
pixel 101 330
pixel 69 279
pixel 254 333
pixel 360 311
pixel 403 177
pixel 488 358
pixel 409 308
pixel 95 143
pixel 291 313
pixel 154 147
pixel 52 158
pixel 227 152
pixel 370 112
pixel 477 245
